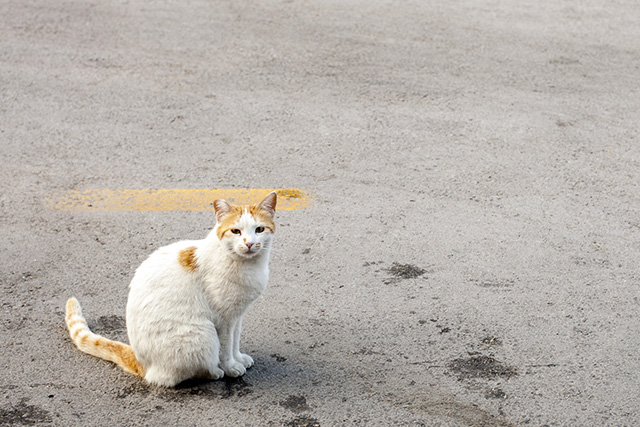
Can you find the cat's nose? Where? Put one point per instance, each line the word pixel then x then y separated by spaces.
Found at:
pixel 249 244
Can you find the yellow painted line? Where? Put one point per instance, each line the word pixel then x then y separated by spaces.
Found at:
pixel 172 199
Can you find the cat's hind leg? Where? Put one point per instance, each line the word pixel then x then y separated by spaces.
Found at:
pixel 214 373
pixel 209 373
pixel 159 376
pixel 170 377
pixel 182 358
pixel 211 353
pixel 212 362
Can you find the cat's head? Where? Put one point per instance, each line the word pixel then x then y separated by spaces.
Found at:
pixel 246 231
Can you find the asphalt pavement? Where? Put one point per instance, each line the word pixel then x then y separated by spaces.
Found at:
pixel 469 253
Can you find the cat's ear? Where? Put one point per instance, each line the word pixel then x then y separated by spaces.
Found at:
pixel 221 207
pixel 269 203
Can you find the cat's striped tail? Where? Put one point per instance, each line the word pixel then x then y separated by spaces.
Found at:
pixel 119 353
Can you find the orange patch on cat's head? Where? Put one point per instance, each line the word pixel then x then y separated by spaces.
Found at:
pixel 263 217
pixel 265 211
pixel 228 214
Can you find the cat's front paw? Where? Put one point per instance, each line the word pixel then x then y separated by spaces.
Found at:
pixel 216 374
pixel 234 369
pixel 246 360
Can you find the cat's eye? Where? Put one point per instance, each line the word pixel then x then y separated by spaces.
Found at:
pixel 235 231
pixel 259 229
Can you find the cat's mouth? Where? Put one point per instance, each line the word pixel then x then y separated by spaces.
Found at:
pixel 250 252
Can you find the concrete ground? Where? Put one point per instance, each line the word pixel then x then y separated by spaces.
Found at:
pixel 471 255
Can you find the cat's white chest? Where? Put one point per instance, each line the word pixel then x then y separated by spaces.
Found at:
pixel 232 291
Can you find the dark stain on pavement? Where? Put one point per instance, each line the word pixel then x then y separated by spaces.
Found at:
pixel 495 284
pixel 23 414
pixel 495 393
pixel 370 263
pixel 110 323
pixel 236 387
pixel 295 403
pixel 278 357
pixel 480 367
pixel 400 272
pixel 303 421
pixel 136 388
pixel 459 413
pixel 491 341
pixel 405 271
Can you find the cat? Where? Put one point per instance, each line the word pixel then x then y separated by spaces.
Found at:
pixel 186 301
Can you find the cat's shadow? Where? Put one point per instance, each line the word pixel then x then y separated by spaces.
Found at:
pixel 224 388
pixel 268 370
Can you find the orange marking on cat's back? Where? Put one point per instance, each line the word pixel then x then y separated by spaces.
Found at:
pixel 187 259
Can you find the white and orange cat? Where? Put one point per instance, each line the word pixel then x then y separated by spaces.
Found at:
pixel 186 301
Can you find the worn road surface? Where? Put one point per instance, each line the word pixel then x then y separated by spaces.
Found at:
pixel 470 252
